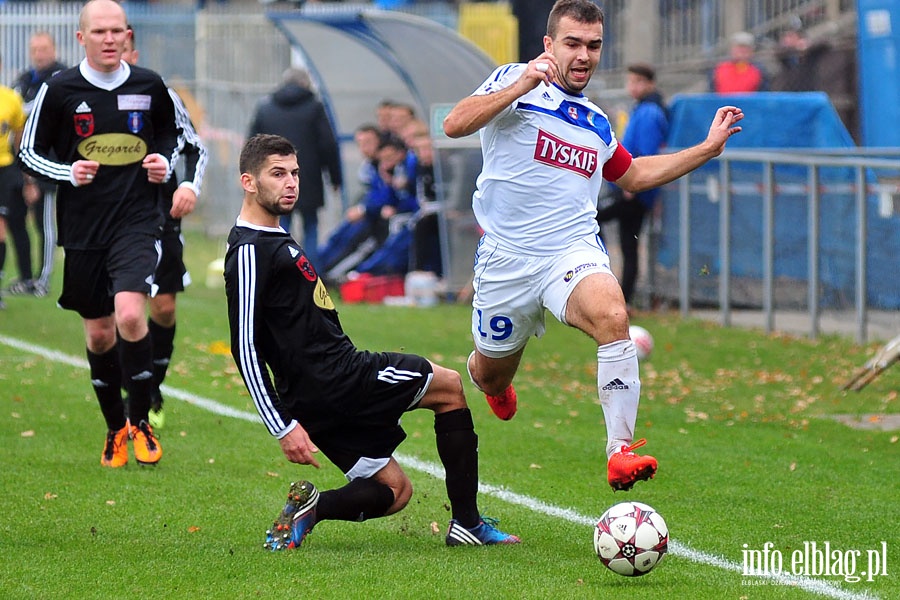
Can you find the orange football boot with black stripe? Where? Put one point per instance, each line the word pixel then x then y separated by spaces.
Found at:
pixel 147 450
pixel 115 451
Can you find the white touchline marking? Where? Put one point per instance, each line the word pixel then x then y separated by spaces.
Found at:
pixel 809 584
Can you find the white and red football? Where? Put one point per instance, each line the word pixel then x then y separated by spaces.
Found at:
pixel 631 538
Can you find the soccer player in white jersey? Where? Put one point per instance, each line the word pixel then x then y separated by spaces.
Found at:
pixel 546 149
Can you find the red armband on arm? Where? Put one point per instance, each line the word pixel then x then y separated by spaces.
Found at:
pixel 617 164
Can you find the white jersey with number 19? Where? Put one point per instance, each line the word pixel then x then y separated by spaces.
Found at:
pixel 543 167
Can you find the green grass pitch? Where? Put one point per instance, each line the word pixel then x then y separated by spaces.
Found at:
pixel 740 422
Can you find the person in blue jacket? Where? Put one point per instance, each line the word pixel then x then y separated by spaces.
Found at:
pixel 367 226
pixel 645 134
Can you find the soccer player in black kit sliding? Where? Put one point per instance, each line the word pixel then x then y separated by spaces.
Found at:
pixel 113 129
pixel 328 395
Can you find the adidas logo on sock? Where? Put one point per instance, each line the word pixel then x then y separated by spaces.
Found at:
pixel 615 384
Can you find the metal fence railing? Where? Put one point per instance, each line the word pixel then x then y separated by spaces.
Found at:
pixel 862 193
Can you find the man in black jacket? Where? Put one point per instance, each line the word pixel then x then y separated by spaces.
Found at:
pixel 39 197
pixel 294 112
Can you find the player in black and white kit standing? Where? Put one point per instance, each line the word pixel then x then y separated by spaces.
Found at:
pixel 113 129
pixel 326 393
pixel 176 200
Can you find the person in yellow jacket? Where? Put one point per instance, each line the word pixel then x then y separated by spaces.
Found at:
pixel 12 122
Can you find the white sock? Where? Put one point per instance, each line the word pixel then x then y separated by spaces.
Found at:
pixel 619 387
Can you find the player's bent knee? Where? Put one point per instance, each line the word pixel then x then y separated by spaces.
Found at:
pixel 445 392
pixel 402 495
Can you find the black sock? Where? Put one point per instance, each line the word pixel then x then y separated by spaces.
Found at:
pixel 137 367
pixel 163 339
pixel 457 446
pixel 359 500
pixel 106 377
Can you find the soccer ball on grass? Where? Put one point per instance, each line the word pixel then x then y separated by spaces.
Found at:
pixel 643 341
pixel 631 538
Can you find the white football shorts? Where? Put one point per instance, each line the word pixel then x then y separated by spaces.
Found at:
pixel 512 291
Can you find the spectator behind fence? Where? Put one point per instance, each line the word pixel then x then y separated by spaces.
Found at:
pixel 795 74
pixel 38 197
pixel 825 64
pixel 294 112
pixel 739 74
pixel 645 135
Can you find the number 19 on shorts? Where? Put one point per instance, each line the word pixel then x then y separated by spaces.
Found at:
pixel 500 326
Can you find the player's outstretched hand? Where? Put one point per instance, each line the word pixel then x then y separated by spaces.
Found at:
pixel 298 448
pixel 724 125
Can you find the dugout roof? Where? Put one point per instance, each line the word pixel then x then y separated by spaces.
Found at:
pixel 360 58
pixel 357 58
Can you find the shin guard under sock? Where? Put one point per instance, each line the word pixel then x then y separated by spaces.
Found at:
pixel 457 446
pixel 359 500
pixel 106 377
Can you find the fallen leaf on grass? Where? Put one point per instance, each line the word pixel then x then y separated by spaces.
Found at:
pixel 28 433
pixel 219 347
pixel 193 529
pixel 435 528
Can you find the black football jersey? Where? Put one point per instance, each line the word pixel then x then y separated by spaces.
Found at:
pixel 283 320
pixel 80 117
